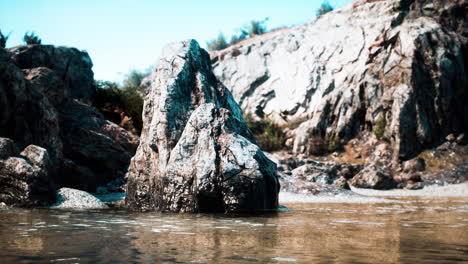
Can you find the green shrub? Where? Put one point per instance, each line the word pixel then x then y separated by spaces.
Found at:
pixel 379 127
pixel 268 134
pixel 127 98
pixel 3 39
pixel 256 28
pixel 325 7
pixel 219 43
pixel 31 38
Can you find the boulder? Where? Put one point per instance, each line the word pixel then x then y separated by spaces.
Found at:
pixel 374 176
pixel 25 180
pixel 414 165
pixel 394 68
pixel 196 152
pixel 68 198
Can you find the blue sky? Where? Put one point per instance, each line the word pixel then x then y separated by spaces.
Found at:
pixel 120 35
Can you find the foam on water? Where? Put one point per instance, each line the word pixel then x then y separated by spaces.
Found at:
pixel 288 197
pixel 454 190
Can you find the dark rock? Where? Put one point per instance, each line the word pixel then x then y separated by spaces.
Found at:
pixel 72 65
pixel 39 85
pixel 7 148
pixel 196 152
pixel 25 180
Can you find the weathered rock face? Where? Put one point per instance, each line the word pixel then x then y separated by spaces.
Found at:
pixel 196 152
pixel 38 88
pixel 394 66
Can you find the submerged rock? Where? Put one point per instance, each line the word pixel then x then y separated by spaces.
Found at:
pixel 196 153
pixel 75 199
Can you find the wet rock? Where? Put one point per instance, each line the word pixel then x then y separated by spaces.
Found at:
pixel 374 176
pixel 75 199
pixel 395 69
pixel 196 152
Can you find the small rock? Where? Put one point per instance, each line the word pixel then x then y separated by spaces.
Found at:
pixel 416 164
pixel 450 138
pixel 461 139
pixel 414 186
pixel 76 199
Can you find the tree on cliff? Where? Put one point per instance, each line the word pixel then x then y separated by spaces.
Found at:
pixel 3 39
pixel 325 7
pixel 218 43
pixel 31 38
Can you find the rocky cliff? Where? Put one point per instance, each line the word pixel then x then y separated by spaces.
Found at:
pixel 394 70
pixel 48 138
pixel 196 152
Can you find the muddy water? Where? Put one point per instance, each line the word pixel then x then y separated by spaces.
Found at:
pixel 394 230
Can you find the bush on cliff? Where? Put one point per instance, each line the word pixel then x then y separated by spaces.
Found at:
pixel 325 7
pixel 3 40
pixel 218 43
pixel 254 28
pixel 31 38
pixel 126 98
pixel 268 134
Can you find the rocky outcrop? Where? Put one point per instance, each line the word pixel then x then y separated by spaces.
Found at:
pixel 39 88
pixel 396 68
pixel 196 152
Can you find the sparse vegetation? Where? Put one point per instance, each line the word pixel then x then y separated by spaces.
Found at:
pixel 379 127
pixel 319 145
pixel 254 28
pixel 3 40
pixel 325 7
pixel 219 43
pixel 268 134
pixel 127 98
pixel 31 38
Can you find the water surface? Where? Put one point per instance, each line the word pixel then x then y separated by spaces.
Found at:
pixel 399 230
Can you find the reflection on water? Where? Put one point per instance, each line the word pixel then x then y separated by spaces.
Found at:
pixel 416 230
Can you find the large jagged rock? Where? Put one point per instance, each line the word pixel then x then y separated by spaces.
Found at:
pixel 397 67
pixel 196 152
pixel 39 88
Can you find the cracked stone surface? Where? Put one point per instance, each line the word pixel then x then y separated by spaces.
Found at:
pixel 196 153
pixel 402 60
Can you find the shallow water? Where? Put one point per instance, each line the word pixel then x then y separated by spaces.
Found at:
pixel 392 230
